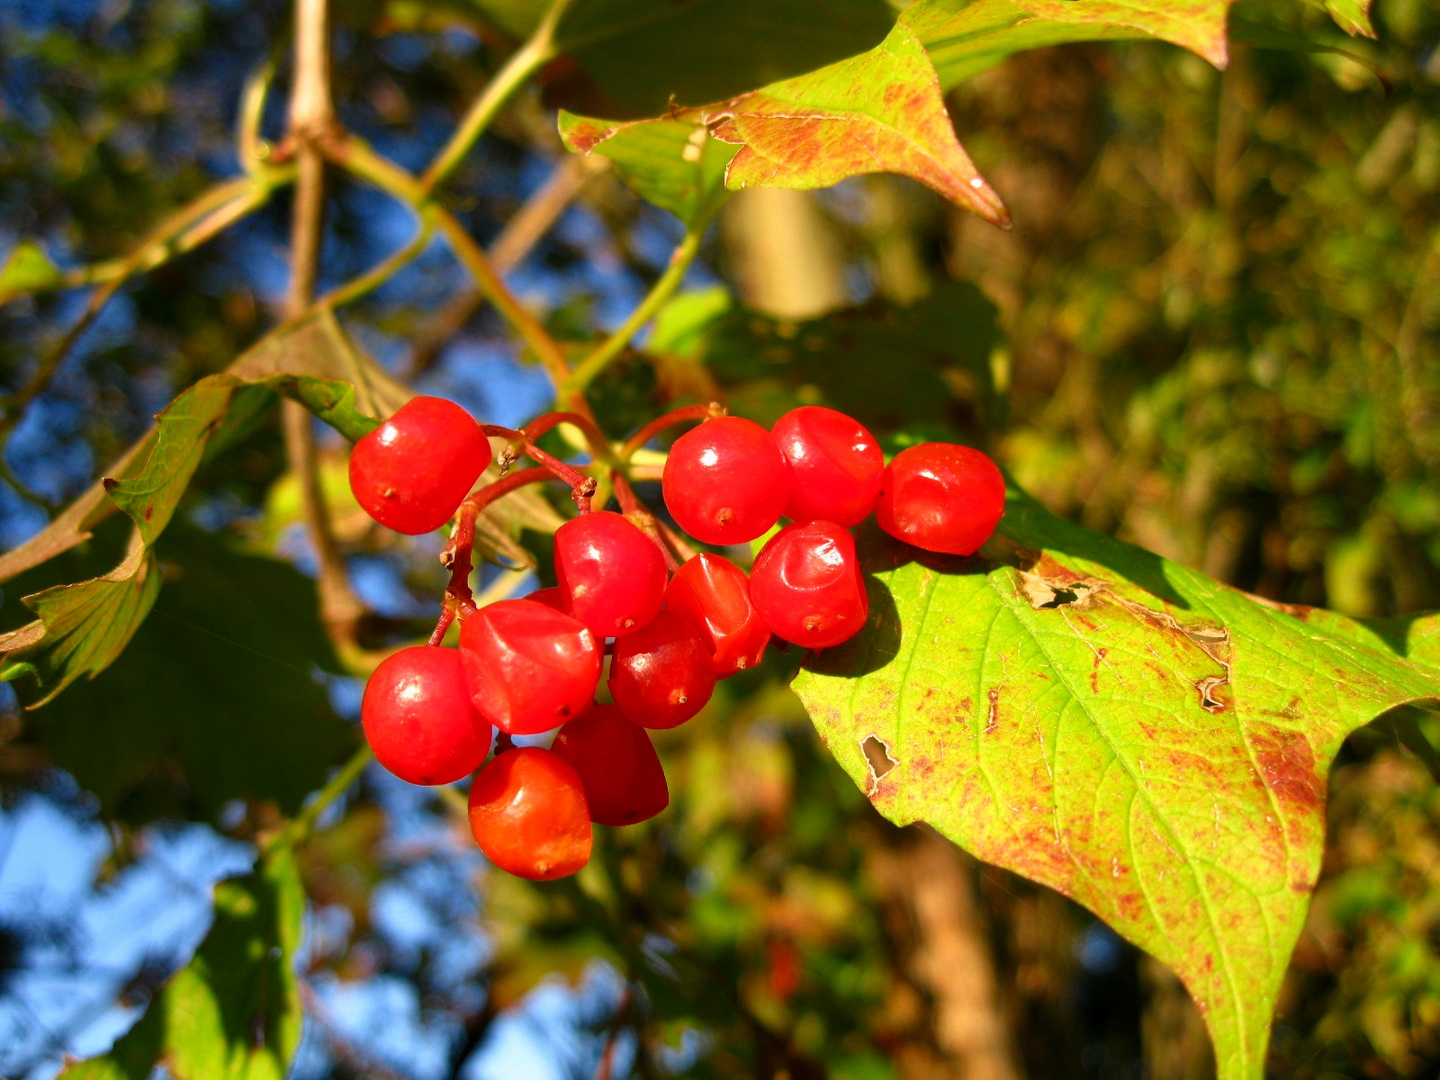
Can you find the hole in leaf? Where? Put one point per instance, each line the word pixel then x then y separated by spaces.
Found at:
pixel 878 755
pixel 1061 598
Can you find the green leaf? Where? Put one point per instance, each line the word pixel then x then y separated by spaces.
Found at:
pixel 234 1011
pixel 219 696
pixel 643 53
pixel 672 164
pixel 882 111
pixel 83 627
pixel 27 270
pixel 315 348
pixel 1122 729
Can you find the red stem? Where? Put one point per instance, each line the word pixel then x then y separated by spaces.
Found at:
pixel 637 512
pixel 600 448
pixel 581 486
pixel 676 542
pixel 679 416
pixel 458 556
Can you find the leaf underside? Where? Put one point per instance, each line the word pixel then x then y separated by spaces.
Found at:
pixel 1138 737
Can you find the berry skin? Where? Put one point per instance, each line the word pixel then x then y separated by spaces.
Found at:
pixel 725 482
pixel 835 466
pixel 529 816
pixel 662 675
pixel 528 667
pixel 617 763
pixel 413 471
pixel 806 584
pixel 611 574
pixel 418 718
pixel 941 497
pixel 551 598
pixel 714 595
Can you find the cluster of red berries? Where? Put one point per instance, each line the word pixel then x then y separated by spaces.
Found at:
pixel 531 665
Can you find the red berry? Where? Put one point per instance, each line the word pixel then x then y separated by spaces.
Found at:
pixel 941 497
pixel 529 667
pixel 611 574
pixel 662 675
pixel 806 584
pixel 418 719
pixel 834 463
pixel 413 471
pixel 551 598
pixel 617 763
pixel 528 814
pixel 714 595
pixel 725 482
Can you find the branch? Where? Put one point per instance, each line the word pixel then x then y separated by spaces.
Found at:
pixel 515 241
pixel 311 115
pixel 357 158
pixel 527 60
pixel 660 293
pixel 185 229
pixel 299 828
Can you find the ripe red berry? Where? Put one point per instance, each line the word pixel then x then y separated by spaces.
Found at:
pixel 551 597
pixel 413 471
pixel 617 763
pixel 806 584
pixel 725 482
pixel 941 497
pixel 528 667
pixel 528 814
pixel 835 465
pixel 418 718
pixel 611 574
pixel 663 674
pixel 713 594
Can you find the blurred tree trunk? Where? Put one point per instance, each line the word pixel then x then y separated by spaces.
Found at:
pixel 1172 1030
pixel 944 1002
pixel 785 254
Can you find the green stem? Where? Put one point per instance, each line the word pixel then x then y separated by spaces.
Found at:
pixel 523 63
pixel 382 271
pixel 680 260
pixel 356 157
pixel 299 828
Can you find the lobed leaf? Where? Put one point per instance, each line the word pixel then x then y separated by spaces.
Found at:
pixel 1122 729
pixel 233 1012
pixel 882 111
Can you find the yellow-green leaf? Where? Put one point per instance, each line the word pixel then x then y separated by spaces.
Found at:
pixel 1122 729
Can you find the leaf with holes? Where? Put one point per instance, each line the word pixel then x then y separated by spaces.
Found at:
pixel 233 1012
pixel 1124 730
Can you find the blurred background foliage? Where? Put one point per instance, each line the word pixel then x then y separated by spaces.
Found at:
pixel 1213 331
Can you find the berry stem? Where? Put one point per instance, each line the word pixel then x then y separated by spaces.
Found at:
pixel 458 556
pixel 600 447
pixel 676 541
pixel 582 487
pixel 638 513
pixel 681 415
